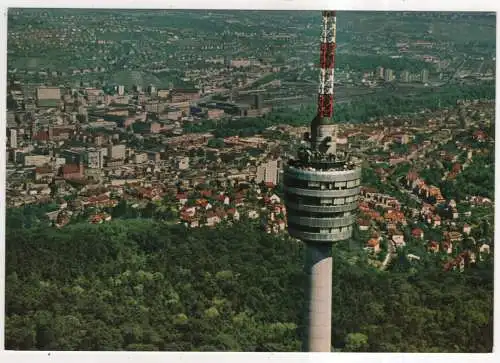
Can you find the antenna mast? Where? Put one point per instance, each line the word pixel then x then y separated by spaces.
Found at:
pixel 323 131
pixel 327 64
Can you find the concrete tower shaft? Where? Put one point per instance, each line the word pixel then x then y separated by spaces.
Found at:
pixel 320 292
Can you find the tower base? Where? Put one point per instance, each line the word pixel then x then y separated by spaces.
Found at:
pixel 319 268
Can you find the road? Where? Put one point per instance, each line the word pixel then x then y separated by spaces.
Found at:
pixel 390 255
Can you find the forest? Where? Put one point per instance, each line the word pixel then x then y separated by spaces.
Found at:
pixel 142 284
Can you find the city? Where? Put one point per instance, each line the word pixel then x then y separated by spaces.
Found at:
pixel 166 137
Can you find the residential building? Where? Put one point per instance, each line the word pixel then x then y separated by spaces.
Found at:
pixel 215 114
pixel 141 158
pixel 268 172
pixel 116 152
pixel 183 163
pixel 163 93
pixel 374 245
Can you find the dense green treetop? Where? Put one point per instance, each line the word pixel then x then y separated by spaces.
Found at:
pixel 138 284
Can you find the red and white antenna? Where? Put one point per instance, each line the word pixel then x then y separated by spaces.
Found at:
pixel 327 64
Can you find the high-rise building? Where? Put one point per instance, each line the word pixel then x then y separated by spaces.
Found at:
pixel 268 172
pixel 94 159
pixel 13 138
pixel 258 103
pixel 121 90
pixel 11 119
pixel 405 76
pixel 388 75
pixel 152 90
pixel 424 76
pixel 380 72
pixel 321 188
pixel 261 174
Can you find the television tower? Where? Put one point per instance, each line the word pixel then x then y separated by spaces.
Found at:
pixel 321 190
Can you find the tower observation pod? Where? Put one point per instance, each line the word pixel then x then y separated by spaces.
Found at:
pixel 321 189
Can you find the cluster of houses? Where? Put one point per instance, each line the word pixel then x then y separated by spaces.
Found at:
pixel 420 188
pixel 195 208
pixel 381 212
pixel 210 208
pixel 466 259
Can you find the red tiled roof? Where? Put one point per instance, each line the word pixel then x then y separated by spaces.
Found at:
pixel 71 169
pixel 412 175
pixel 41 136
pixel 417 232
pixel 206 193
pixel 99 198
pixel 433 244
pixel 221 213
pixel 479 134
pixel 43 170
pixel 59 131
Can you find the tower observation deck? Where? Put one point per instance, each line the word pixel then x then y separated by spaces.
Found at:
pixel 321 189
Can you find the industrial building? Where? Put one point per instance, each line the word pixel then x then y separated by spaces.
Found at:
pixel 48 93
pixel 48 96
pixel 321 188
